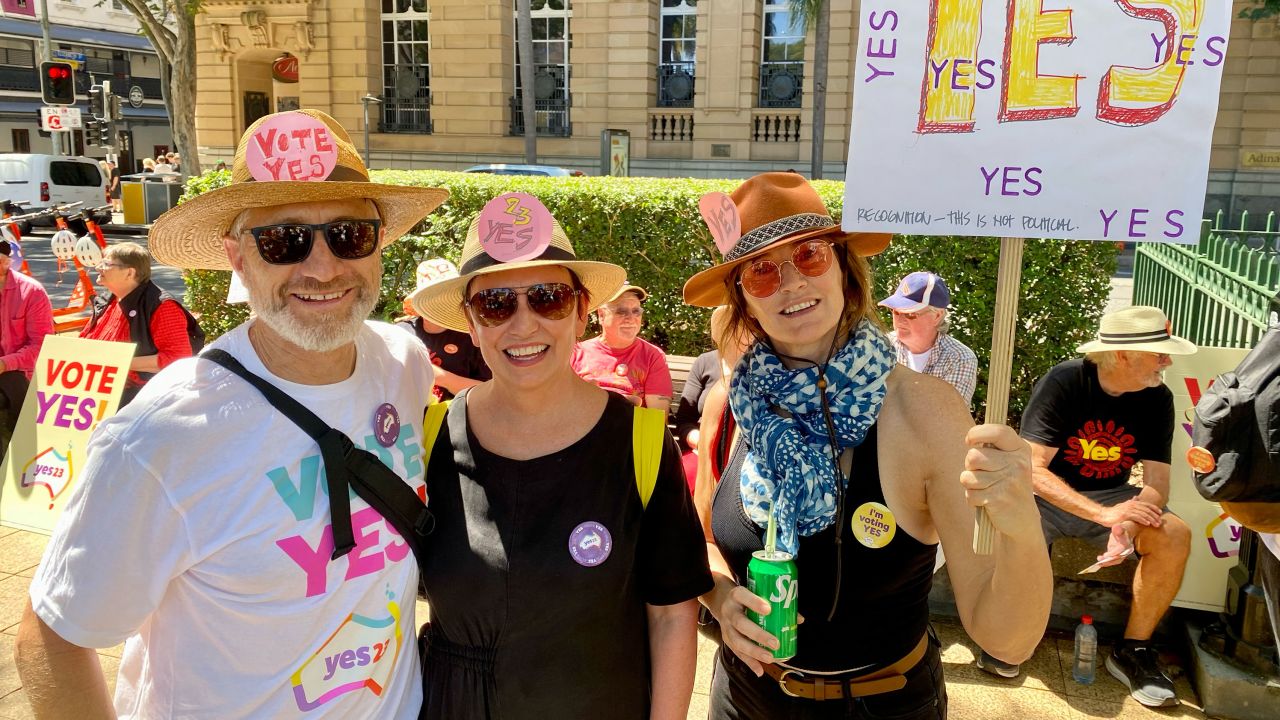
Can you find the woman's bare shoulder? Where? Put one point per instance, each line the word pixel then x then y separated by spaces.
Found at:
pixel 924 401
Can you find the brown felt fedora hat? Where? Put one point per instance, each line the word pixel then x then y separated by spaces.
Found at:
pixel 774 207
pixel 190 235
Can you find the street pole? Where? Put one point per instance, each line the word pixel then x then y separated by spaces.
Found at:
pixel 365 101
pixel 47 52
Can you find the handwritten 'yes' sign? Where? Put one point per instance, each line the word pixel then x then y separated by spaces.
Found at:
pixel 515 227
pixel 1087 120
pixel 722 218
pixel 291 146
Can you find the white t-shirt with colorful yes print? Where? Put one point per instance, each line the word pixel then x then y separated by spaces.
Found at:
pixel 199 534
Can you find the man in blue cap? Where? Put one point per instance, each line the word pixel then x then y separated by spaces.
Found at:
pixel 920 332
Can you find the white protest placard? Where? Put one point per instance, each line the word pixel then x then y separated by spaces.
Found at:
pixel 1074 119
pixel 76 385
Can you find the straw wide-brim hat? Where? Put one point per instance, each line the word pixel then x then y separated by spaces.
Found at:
pixel 1140 328
pixel 189 236
pixel 774 207
pixel 443 302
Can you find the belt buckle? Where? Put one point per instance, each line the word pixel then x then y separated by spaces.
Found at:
pixel 782 683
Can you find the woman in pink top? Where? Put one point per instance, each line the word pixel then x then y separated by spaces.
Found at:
pixel 618 360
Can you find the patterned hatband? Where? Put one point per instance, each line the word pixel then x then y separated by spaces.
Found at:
pixel 769 232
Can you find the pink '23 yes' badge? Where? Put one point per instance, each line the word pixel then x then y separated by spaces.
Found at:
pixel 515 227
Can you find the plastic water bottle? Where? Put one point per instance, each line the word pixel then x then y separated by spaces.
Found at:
pixel 1086 659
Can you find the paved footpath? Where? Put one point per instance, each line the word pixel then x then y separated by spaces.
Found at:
pixel 1044 692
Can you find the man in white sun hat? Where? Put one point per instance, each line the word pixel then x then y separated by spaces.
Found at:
pixel 459 364
pixel 208 531
pixel 1089 421
pixel 920 325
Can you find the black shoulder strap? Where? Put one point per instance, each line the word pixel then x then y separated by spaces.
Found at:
pixel 346 465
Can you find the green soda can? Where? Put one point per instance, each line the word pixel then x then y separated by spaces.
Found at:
pixel 772 575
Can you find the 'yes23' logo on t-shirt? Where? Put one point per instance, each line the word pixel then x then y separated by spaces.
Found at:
pixel 1101 449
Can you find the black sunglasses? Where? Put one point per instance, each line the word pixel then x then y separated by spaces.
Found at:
pixel 553 301
pixel 289 243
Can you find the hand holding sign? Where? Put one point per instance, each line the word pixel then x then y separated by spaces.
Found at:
pixel 291 146
pixel 515 227
pixel 722 219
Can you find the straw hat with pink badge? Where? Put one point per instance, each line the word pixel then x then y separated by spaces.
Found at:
pixel 513 231
pixel 283 158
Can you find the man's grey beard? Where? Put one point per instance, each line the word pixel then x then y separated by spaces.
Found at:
pixel 330 333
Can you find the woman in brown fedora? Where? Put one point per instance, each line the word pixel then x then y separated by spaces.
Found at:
pixel 821 383
pixel 557 589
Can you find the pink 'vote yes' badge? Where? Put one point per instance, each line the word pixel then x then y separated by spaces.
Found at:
pixel 515 227
pixel 291 146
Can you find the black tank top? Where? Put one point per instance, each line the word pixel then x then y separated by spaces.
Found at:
pixel 884 596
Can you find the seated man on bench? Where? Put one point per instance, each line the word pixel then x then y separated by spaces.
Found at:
pixel 1089 421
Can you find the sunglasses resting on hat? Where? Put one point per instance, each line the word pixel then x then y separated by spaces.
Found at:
pixel 762 278
pixel 495 306
pixel 290 243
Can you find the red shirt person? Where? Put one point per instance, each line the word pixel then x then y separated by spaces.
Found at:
pixel 125 272
pixel 618 360
pixel 26 316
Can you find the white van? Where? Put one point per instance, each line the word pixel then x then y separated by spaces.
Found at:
pixel 41 181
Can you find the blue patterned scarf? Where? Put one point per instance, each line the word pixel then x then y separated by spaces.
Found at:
pixel 789 464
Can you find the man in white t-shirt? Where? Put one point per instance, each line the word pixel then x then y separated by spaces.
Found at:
pixel 201 531
pixel 920 333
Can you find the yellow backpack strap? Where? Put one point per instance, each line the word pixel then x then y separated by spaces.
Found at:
pixel 431 423
pixel 648 433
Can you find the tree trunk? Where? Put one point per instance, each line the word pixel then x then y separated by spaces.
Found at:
pixel 821 48
pixel 524 31
pixel 181 98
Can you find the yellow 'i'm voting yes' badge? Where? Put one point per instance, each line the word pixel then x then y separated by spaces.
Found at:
pixel 873 524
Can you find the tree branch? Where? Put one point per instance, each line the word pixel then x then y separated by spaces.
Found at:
pixel 161 37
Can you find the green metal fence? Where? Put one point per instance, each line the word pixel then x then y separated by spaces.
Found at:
pixel 1218 292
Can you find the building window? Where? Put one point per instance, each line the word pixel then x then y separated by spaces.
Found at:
pixel 676 53
pixel 550 68
pixel 781 56
pixel 16 53
pixel 21 140
pixel 406 67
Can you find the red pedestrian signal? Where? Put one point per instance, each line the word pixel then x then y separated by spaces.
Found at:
pixel 58 83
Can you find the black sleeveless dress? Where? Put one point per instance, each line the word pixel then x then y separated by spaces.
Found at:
pixel 881 607
pixel 521 627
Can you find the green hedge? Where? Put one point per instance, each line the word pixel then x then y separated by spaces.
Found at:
pixel 651 226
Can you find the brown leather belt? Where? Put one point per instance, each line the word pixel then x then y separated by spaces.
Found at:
pixel 832 687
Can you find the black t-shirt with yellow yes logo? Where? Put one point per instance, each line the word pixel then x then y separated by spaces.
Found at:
pixel 1099 436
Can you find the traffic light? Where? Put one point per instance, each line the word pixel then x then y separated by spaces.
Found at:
pixel 98 102
pixel 91 132
pixel 58 83
pixel 113 108
pixel 97 132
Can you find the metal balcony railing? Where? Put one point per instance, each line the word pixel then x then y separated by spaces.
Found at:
pixel 675 85
pixel 405 116
pixel 781 85
pixel 1217 292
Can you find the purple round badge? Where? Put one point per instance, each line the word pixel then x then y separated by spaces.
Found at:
pixel 386 424
pixel 590 544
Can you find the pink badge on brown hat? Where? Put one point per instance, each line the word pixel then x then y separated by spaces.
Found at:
pixel 769 208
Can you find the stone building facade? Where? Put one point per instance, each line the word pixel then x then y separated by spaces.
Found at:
pixel 719 88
